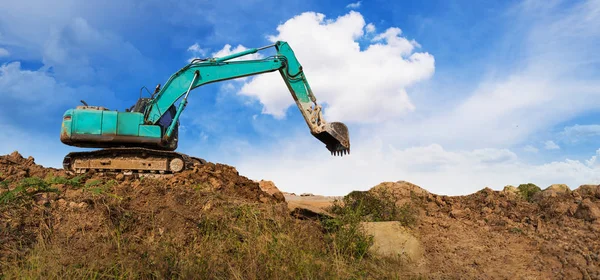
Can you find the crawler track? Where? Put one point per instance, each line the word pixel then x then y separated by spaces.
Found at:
pixel 130 161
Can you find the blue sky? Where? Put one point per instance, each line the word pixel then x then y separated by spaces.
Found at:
pixel 453 96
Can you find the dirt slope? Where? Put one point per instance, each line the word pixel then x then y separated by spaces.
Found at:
pixel 207 223
pixel 493 234
pixel 215 223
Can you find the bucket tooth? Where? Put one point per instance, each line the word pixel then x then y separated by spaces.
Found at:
pixel 336 138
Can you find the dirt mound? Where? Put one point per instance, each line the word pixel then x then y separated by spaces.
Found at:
pixel 15 166
pixel 206 223
pixel 501 234
pixel 78 209
pixel 211 222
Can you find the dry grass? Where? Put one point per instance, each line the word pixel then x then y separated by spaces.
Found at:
pixel 178 232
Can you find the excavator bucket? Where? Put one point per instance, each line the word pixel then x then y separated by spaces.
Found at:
pixel 335 137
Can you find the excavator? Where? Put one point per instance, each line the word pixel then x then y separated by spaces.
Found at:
pixel 143 138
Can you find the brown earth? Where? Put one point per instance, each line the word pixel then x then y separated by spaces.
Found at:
pixel 497 234
pixel 123 223
pixel 206 223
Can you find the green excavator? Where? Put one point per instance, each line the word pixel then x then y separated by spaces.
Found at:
pixel 143 139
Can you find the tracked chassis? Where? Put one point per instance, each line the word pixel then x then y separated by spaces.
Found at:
pixel 129 161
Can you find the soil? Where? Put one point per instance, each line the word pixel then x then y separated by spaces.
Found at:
pixel 486 235
pixel 491 234
pixel 151 209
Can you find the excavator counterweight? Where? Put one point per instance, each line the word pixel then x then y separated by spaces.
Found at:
pixel 143 138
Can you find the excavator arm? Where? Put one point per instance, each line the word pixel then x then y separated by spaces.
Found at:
pixel 204 71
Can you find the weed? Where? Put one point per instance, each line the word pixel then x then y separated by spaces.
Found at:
pixel 346 236
pixel 528 190
pixel 516 230
pixel 53 180
pixel 25 188
pixel 92 183
pixel 375 207
pixel 75 181
pixel 4 185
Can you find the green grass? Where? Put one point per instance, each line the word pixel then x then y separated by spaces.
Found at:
pixel 72 182
pixel 527 191
pixel 375 207
pixel 25 189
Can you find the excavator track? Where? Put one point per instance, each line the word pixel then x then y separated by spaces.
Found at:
pixel 130 161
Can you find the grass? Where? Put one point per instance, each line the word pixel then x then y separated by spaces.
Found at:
pixel 232 240
pixel 527 191
pixel 25 189
pixel 375 207
pixel 516 230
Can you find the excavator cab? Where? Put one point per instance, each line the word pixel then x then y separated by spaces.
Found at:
pixel 140 105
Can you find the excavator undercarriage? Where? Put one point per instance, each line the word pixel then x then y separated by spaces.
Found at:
pixel 130 161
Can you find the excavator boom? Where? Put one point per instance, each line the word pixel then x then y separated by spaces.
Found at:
pixel 152 124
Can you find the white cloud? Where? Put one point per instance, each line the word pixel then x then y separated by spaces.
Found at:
pixel 593 160
pixel 195 48
pixel 355 5
pixel 31 86
pixel 530 149
pixel 42 94
pixel 67 41
pixel 550 145
pixel 227 50
pixel 370 28
pixel 447 147
pixel 79 51
pixel 197 52
pixel 300 165
pixel 510 105
pixel 578 132
pixel 4 52
pixel 357 85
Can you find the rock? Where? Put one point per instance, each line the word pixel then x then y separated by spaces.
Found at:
pixel 270 188
pixel 548 194
pixel 392 239
pixel 81 205
pixel 587 190
pixel 588 211
pixel 558 188
pixel 402 191
pixel 439 201
pixel 305 212
pixel 459 213
pixel 510 190
pixel 15 156
pixel 61 202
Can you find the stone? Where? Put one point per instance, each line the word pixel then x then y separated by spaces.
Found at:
pixel 510 189
pixel 588 211
pixel 558 188
pixel 393 240
pixel 587 190
pixel 270 188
